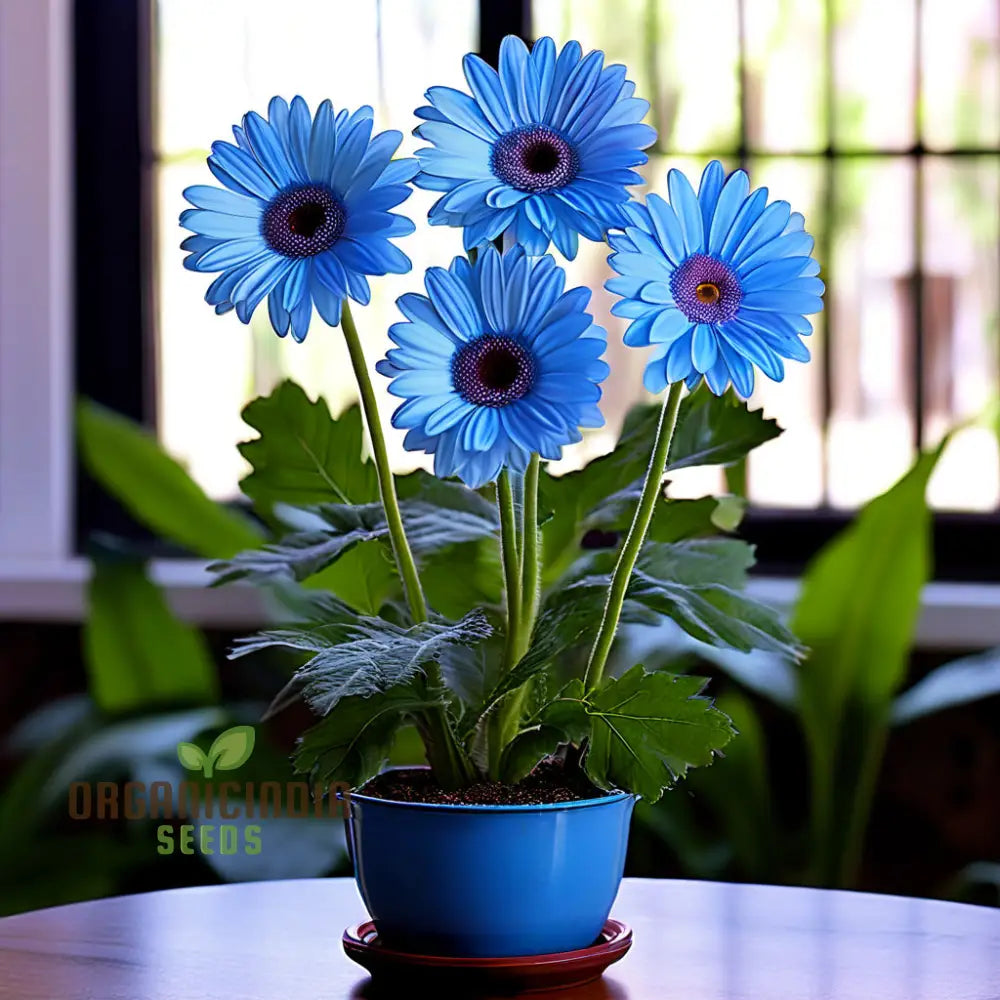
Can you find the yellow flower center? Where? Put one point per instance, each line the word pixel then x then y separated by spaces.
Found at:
pixel 707 292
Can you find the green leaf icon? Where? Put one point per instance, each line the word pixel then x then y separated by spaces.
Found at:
pixel 232 748
pixel 191 756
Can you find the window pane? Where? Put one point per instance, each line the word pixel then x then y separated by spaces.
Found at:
pixel 788 472
pixel 217 61
pixel 786 85
pixel 961 73
pixel 683 58
pixel 871 432
pixel 874 73
pixel 961 322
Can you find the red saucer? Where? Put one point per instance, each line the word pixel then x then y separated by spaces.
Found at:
pixel 522 974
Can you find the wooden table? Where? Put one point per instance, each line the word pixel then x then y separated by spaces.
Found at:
pixel 693 941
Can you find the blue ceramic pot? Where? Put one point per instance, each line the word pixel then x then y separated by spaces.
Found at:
pixel 489 881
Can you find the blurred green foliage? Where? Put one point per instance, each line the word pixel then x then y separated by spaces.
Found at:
pixel 857 613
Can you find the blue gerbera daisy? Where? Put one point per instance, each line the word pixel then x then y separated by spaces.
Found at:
pixel 495 363
pixel 717 282
pixel 304 215
pixel 543 149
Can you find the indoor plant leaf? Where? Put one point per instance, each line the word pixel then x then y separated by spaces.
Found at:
pixel 303 554
pixel 673 519
pixel 569 615
pixel 364 657
pixel 717 430
pixel 648 729
pixel 479 584
pixel 564 719
pixel 364 577
pixel 137 653
pixel 711 430
pixel 303 455
pixel 523 753
pixel 739 793
pixel 353 741
pixel 857 612
pixel 130 464
pixel 956 683
pixel 697 583
pixel 858 606
pixel 456 518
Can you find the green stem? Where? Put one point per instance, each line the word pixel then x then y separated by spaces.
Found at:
pixel 450 763
pixel 508 713
pixel 511 567
pixel 386 484
pixel 636 536
pixel 531 570
pixel 499 721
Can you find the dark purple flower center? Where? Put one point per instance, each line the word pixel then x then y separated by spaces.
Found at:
pixel 534 158
pixel 706 290
pixel 303 221
pixel 493 370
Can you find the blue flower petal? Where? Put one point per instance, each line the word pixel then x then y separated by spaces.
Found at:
pixel 750 259
pixel 332 162
pixel 685 204
pixel 590 115
pixel 477 418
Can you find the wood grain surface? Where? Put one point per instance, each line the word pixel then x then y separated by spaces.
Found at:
pixel 693 941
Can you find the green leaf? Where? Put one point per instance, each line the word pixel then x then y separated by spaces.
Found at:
pixel 303 554
pixel 717 430
pixel 857 612
pixel 191 756
pixel 860 599
pixel 364 577
pixel 739 792
pixel 137 653
pixel 303 455
pixel 959 682
pixel 366 657
pixel 572 497
pixel 450 525
pixel 698 561
pixel 711 430
pixel 130 464
pixel 232 748
pixel 479 584
pixel 569 616
pixel 442 516
pixel 564 719
pixel 521 755
pixel 352 743
pixel 696 584
pixel 648 729
pixel 673 519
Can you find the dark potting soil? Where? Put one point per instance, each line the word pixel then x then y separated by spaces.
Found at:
pixel 548 782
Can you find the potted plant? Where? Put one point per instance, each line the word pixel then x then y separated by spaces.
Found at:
pixel 488 626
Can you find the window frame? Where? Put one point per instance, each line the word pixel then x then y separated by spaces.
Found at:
pixel 36 194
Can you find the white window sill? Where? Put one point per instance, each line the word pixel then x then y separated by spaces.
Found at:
pixel 955 615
